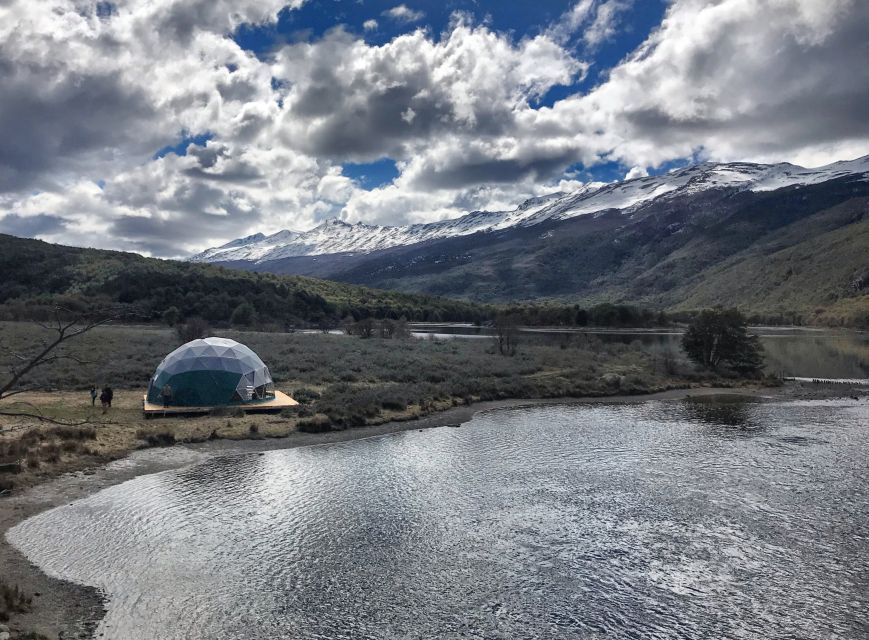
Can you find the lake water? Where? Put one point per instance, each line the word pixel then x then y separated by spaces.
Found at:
pixel 801 352
pixel 693 519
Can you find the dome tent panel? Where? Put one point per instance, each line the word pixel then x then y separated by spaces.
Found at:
pixel 211 371
pixel 197 388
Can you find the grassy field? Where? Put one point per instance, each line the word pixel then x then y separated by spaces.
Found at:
pixel 340 381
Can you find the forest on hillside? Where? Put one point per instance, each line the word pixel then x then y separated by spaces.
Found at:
pixel 38 277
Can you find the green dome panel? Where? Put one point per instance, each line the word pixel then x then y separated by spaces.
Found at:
pixel 209 372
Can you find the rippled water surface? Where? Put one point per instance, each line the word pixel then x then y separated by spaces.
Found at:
pixel 655 520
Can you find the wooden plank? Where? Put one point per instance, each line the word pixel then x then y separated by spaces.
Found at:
pixel 280 401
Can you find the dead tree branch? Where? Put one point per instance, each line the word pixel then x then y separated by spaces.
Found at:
pixel 63 329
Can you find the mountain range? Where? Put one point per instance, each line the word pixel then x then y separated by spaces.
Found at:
pixel 774 239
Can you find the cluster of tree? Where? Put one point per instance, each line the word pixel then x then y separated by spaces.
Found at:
pixel 718 338
pixel 371 328
pixel 600 315
pixel 40 277
pixel 790 318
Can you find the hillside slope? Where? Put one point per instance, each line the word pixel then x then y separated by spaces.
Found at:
pixel 796 251
pixel 37 275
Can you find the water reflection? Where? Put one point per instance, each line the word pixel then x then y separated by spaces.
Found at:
pixel 648 520
pixel 728 415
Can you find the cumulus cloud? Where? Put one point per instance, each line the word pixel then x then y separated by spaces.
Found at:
pixel 86 92
pixel 353 101
pixel 733 80
pixel 403 13
pixel 88 95
pixel 370 24
pixel 636 172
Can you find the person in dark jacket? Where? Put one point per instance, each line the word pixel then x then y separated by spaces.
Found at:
pixel 106 398
pixel 93 395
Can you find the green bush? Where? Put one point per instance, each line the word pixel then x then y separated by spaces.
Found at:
pixel 719 337
pixel 305 395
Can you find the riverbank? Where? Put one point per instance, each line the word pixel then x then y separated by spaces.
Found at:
pixel 74 610
pixel 340 382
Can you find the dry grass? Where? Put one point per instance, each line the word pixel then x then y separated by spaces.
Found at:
pixel 41 450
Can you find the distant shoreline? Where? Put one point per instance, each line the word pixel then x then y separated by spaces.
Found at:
pixel 75 609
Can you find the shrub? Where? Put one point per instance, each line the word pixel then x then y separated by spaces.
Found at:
pixel 51 453
pixel 305 395
pixel 394 404
pixel 317 423
pixel 226 412
pixel 159 439
pixel 171 316
pixel 72 433
pixel 12 600
pixel 192 329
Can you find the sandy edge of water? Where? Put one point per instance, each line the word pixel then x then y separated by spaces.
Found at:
pixel 66 610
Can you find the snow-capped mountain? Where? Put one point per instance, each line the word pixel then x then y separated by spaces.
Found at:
pixel 335 236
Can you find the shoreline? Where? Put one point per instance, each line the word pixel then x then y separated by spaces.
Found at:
pixel 61 607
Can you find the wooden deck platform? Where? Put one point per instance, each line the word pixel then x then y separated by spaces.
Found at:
pixel 280 401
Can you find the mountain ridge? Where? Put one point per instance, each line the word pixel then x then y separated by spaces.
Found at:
pixel 335 236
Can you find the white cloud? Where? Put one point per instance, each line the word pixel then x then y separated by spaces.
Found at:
pixel 596 21
pixel 349 100
pixel 403 13
pixel 370 24
pixel 85 98
pixel 605 22
pixel 730 80
pixel 636 172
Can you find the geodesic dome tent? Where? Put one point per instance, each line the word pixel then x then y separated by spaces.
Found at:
pixel 209 372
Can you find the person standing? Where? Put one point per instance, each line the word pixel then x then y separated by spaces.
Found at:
pixel 166 392
pixel 106 398
pixel 93 395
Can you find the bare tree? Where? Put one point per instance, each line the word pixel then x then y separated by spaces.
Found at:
pixel 506 334
pixel 66 326
pixel 192 328
pixel 365 327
